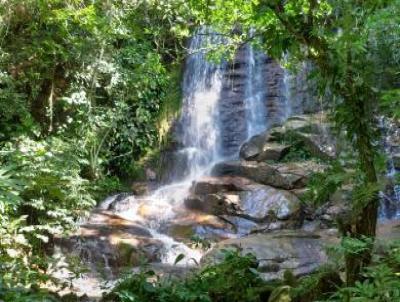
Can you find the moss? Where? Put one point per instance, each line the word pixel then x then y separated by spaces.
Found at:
pixel 171 106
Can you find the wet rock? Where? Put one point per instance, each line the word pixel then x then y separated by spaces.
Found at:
pixel 151 175
pixel 273 152
pixel 121 202
pixel 209 185
pixel 111 243
pixel 216 204
pixel 297 174
pixel 300 193
pixel 140 188
pixel 254 209
pixel 297 251
pixel 261 201
pixel 260 148
pixel 251 149
pixel 396 161
pixel 286 176
pixel 258 172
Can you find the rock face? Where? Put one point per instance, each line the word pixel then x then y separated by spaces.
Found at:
pixel 309 132
pixel 261 191
pixel 299 252
pixel 245 205
pixel 285 176
pixel 275 95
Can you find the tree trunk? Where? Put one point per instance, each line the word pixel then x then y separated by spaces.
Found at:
pixel 364 225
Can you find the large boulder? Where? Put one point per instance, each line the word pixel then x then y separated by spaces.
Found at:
pixel 111 243
pixel 310 132
pixel 298 251
pixel 318 145
pixel 257 208
pixel 273 152
pixel 258 172
pixel 251 149
pixel 261 148
pixel 261 201
pixel 285 176
pixel 297 174
pixel 215 204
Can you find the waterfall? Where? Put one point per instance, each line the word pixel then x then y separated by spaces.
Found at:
pixel 202 83
pixel 287 81
pixel 221 108
pixel 199 136
pixel 255 92
pixel 390 198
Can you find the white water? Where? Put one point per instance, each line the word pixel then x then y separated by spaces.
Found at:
pixel 390 205
pixel 287 80
pixel 199 120
pixel 255 93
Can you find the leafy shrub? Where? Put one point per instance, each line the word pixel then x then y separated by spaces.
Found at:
pixel 41 195
pixel 233 280
pixel 381 281
pixel 54 194
pixel 322 185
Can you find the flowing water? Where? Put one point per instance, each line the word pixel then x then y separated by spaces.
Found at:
pixel 390 197
pixel 255 92
pixel 200 137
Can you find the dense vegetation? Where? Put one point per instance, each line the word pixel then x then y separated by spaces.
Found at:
pixel 236 279
pixel 85 97
pixel 87 93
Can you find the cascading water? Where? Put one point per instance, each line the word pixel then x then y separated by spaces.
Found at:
pixel 390 205
pixel 287 80
pixel 200 147
pixel 201 91
pixel 207 98
pixel 255 92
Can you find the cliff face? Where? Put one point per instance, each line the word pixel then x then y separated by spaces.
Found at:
pixel 282 94
pixel 255 93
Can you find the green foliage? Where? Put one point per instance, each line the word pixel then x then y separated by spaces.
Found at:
pixel 323 185
pixel 390 103
pixel 23 295
pixel 381 281
pixel 96 71
pixel 317 286
pixel 234 279
pixel 54 193
pixel 41 196
pixel 83 86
